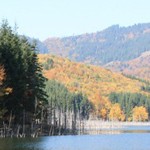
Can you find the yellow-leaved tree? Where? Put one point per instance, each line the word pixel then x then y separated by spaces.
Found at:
pixel 116 114
pixel 139 113
pixel 104 112
pixel 2 74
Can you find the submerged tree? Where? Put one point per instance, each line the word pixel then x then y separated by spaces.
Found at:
pixel 66 108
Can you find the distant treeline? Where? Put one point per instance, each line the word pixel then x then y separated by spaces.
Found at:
pixel 145 87
pixel 136 78
pixel 128 101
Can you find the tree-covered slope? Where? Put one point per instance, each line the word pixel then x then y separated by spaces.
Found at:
pixel 112 44
pixel 96 82
pixel 139 67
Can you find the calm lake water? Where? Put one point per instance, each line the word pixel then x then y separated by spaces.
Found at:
pixel 129 139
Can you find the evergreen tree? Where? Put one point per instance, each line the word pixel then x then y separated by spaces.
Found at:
pixel 23 73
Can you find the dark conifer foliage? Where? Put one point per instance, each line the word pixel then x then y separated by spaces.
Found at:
pixel 23 73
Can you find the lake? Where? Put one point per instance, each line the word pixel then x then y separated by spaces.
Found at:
pixel 133 138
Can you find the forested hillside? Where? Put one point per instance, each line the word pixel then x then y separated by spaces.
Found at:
pixel 139 67
pixel 112 44
pixel 95 82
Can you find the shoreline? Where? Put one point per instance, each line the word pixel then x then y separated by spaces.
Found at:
pixel 82 128
pixel 110 125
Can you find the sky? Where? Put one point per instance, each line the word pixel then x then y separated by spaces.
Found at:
pixel 60 18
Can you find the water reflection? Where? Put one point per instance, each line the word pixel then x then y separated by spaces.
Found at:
pixel 126 129
pixel 128 139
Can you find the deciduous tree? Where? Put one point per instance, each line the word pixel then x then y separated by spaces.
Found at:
pixel 139 113
pixel 116 114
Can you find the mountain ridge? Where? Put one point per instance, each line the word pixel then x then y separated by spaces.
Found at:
pixel 114 44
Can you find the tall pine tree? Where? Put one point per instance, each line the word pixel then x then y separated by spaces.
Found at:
pixel 23 73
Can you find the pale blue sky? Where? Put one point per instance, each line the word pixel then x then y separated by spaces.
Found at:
pixel 58 18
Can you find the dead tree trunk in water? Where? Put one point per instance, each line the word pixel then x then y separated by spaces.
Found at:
pixel 23 132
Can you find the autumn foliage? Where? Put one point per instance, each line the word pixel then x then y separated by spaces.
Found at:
pixel 140 114
pixel 2 74
pixel 116 113
pixel 96 82
pixel 138 67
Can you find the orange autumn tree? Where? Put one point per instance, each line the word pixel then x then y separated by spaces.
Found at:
pixel 104 112
pixel 116 114
pixel 99 105
pixel 2 90
pixel 2 76
pixel 139 113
